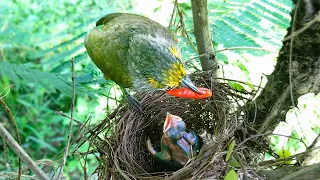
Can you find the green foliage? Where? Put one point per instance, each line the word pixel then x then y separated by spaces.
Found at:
pixel 230 149
pixel 301 126
pixel 52 43
pixel 232 175
pixel 234 163
pixel 38 38
pixel 49 81
pixel 245 23
pixel 255 24
pixel 48 45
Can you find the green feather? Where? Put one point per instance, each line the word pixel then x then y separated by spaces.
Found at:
pixel 132 49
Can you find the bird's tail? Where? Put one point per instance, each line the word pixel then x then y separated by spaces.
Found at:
pixel 150 147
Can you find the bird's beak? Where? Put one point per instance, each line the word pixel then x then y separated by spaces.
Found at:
pixel 189 84
pixel 167 123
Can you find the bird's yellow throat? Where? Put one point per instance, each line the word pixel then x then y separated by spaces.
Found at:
pixel 172 77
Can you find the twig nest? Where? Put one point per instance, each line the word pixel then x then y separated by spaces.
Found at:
pixel 123 150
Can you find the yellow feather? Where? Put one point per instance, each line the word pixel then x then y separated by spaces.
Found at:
pixel 173 77
pixel 175 52
pixel 154 83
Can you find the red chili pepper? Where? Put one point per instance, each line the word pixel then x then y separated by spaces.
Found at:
pixel 188 93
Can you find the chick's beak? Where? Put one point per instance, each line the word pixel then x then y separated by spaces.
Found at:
pixel 186 82
pixel 167 123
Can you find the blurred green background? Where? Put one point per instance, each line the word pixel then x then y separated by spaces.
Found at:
pixel 38 38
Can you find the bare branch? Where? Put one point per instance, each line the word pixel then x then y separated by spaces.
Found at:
pixel 295 173
pixel 230 49
pixel 7 138
pixel 16 129
pixel 71 120
pixel 305 27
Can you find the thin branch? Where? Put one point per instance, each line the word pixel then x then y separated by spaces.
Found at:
pixel 295 173
pixel 274 162
pixel 305 27
pixel 291 137
pixel 85 163
pixel 7 138
pixel 71 120
pixel 313 144
pixel 16 129
pixel 183 27
pixel 315 141
pixel 246 47
pixel 64 115
pixel 171 23
pixel 82 125
pixel 269 134
pixel 302 171
pixel 229 49
pixel 290 55
pixel 5 152
pixel 234 80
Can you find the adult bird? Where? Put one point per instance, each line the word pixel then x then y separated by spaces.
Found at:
pixel 136 53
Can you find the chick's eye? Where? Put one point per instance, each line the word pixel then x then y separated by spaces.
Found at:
pixel 176 118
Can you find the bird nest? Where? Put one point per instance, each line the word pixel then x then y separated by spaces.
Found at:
pixel 123 152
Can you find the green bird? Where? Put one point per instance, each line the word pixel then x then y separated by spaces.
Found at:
pixel 136 53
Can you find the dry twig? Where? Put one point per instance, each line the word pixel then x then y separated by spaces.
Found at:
pixel 70 123
pixel 7 138
pixel 16 129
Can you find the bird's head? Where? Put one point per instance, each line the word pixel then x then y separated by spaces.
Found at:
pixel 175 75
pixel 173 127
pixel 159 58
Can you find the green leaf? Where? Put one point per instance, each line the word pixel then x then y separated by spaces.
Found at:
pixel 250 85
pixel 62 45
pixel 230 149
pixel 234 163
pixel 65 55
pixel 43 144
pixel 237 86
pixel 49 81
pixel 242 67
pixel 232 175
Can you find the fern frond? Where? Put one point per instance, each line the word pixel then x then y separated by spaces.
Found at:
pixel 218 8
pixel 65 66
pixel 253 24
pixel 50 81
pixel 64 55
pixel 239 23
pixel 55 48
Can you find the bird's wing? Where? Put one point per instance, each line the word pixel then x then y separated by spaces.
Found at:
pixel 107 18
pixel 93 44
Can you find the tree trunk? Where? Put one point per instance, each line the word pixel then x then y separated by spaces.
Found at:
pixel 275 99
pixel 292 173
pixel 203 34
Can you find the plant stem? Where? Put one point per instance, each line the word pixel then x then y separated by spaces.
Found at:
pixel 7 138
pixel 71 120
